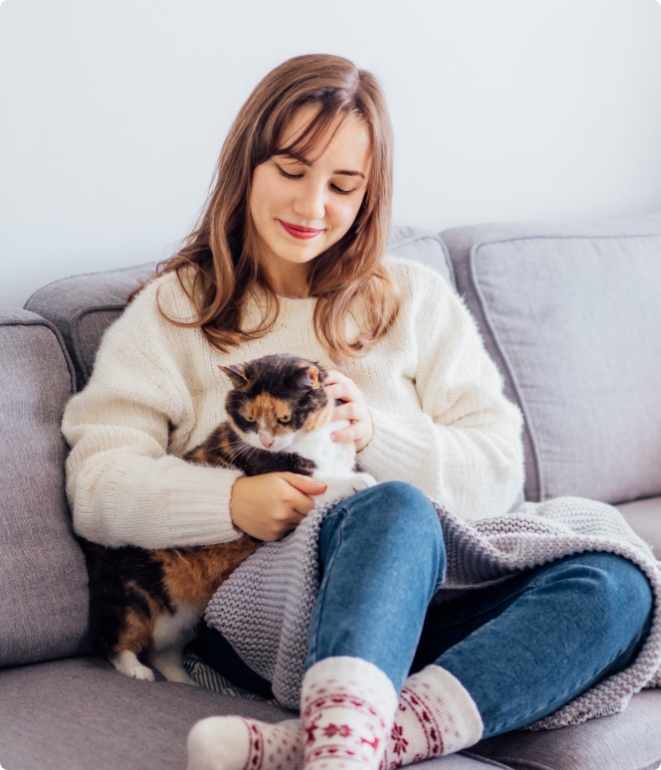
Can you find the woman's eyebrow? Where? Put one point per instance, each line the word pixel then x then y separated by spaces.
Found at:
pixel 350 173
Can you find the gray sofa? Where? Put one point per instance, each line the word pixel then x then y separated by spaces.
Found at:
pixel 572 316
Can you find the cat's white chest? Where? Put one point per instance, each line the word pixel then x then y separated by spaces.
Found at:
pixel 330 457
pixel 334 461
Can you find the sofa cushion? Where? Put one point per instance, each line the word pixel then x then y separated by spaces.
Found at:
pixel 571 315
pixel 80 713
pixel 627 741
pixel 644 516
pixel 83 306
pixel 43 601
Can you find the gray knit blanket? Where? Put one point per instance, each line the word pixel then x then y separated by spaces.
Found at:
pixel 264 608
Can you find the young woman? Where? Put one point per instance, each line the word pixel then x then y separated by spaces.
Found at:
pixel 288 257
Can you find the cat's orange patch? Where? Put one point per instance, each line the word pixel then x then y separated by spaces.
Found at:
pixel 269 409
pixel 192 575
pixel 316 420
pixel 137 631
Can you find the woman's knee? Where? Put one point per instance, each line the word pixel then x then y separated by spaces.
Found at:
pixel 391 511
pixel 609 589
pixel 398 505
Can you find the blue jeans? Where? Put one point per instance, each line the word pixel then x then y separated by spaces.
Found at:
pixel 522 648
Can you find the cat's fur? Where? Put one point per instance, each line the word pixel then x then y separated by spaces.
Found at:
pixel 278 419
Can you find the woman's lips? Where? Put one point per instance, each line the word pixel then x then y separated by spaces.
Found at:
pixel 304 233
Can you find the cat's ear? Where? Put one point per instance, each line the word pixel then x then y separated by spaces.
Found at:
pixel 309 377
pixel 236 373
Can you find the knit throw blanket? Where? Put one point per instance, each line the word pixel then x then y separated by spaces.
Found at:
pixel 264 608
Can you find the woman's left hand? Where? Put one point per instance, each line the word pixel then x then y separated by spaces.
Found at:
pixel 353 408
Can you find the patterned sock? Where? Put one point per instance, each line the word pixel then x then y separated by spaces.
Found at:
pixel 435 716
pixel 347 711
pixel 235 743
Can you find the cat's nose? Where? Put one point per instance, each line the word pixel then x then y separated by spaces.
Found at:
pixel 266 438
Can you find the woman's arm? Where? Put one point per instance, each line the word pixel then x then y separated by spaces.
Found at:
pixel 123 483
pixel 464 447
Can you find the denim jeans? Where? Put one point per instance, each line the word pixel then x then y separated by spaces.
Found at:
pixel 521 648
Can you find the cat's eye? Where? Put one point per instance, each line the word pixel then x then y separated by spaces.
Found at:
pixel 248 418
pixel 284 419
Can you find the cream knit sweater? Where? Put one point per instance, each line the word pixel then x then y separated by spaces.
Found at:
pixel 440 419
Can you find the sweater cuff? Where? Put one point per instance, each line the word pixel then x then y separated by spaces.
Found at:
pixel 399 447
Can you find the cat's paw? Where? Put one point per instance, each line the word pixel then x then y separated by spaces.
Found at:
pixel 362 481
pixel 168 662
pixel 127 663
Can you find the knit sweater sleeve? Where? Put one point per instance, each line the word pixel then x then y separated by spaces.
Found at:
pixel 125 482
pixel 463 448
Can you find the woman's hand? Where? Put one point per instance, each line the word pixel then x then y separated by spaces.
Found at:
pixel 271 504
pixel 353 408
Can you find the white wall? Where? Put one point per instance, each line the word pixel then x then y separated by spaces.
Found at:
pixel 112 113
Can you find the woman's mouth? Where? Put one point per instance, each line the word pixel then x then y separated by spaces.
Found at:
pixel 304 233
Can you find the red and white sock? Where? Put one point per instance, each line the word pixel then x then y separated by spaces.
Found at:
pixel 235 743
pixel 435 716
pixel 347 711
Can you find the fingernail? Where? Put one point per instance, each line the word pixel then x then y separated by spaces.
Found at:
pixel 333 437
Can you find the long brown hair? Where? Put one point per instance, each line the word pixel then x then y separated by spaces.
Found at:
pixel 218 266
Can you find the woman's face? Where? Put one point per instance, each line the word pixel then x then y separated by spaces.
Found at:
pixel 299 210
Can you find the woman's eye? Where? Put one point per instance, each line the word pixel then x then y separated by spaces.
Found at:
pixel 285 419
pixel 247 418
pixel 286 175
pixel 340 190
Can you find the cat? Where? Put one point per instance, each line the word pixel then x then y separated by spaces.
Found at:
pixel 279 418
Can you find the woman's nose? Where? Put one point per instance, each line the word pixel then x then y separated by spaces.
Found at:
pixel 310 204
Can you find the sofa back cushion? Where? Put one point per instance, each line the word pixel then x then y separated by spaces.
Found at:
pixel 83 306
pixel 43 596
pixel 572 316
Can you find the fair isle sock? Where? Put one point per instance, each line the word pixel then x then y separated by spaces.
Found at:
pixel 235 743
pixel 435 716
pixel 347 711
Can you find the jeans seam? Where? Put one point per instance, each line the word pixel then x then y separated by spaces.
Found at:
pixel 313 648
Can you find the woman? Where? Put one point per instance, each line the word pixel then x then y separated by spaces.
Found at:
pixel 288 258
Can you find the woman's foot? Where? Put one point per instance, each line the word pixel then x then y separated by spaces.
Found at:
pixel 435 716
pixel 347 711
pixel 235 743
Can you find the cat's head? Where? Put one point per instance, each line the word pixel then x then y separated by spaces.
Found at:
pixel 276 397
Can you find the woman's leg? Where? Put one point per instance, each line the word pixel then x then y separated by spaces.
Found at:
pixel 382 559
pixel 543 638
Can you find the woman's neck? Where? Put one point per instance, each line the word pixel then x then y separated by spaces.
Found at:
pixel 287 279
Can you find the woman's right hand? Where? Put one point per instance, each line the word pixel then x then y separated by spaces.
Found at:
pixel 271 504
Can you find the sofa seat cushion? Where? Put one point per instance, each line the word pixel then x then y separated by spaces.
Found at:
pixel 80 713
pixel 83 306
pixel 43 579
pixel 644 516
pixel 630 740
pixel 571 315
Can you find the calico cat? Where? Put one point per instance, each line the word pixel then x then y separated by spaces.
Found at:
pixel 278 419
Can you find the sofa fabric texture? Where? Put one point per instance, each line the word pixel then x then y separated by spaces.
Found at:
pixel 604 744
pixel 43 601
